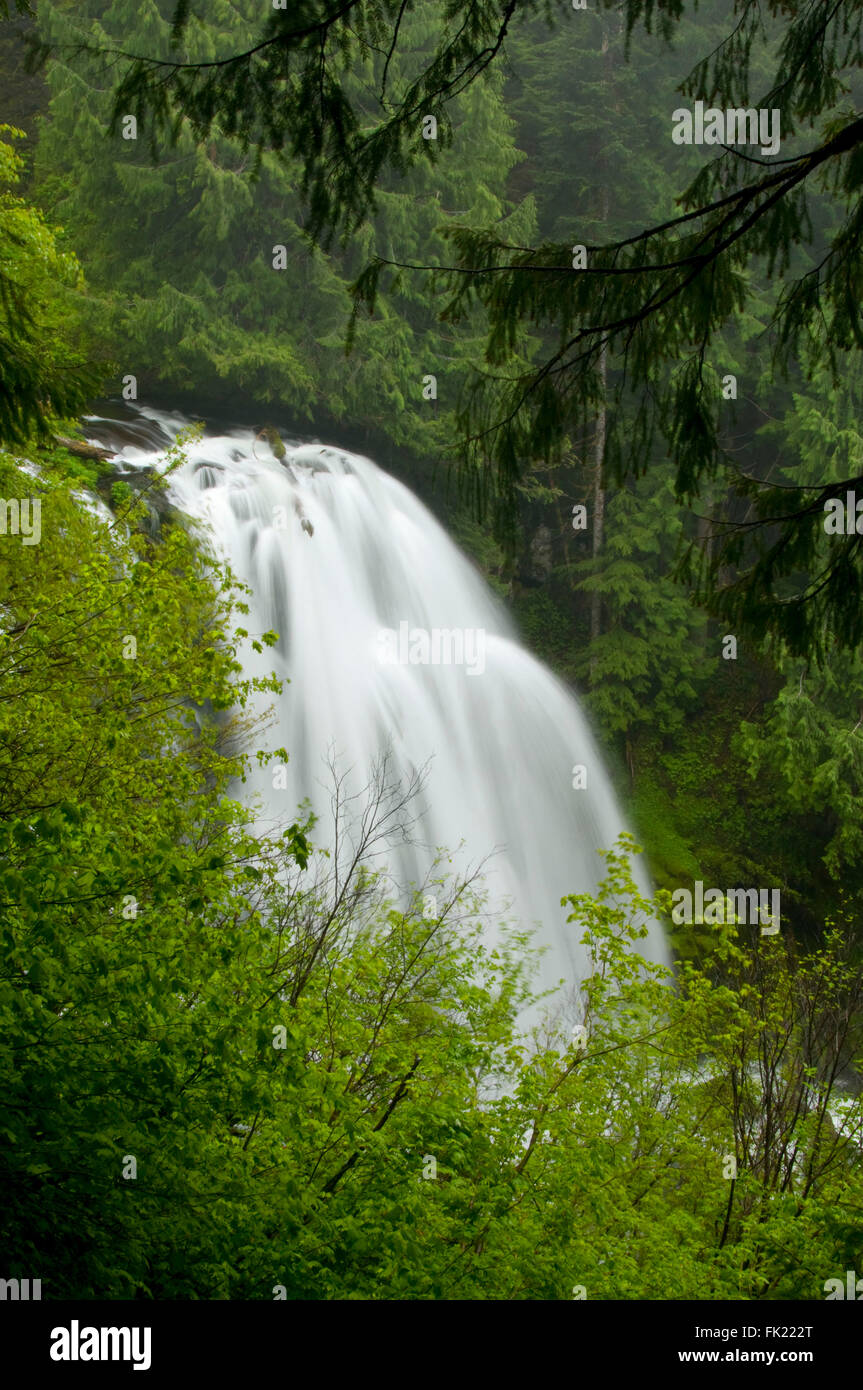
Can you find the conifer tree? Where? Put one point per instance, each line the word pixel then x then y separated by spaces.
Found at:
pixel 653 303
pixel 205 269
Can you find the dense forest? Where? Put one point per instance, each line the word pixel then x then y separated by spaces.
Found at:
pixel 229 1070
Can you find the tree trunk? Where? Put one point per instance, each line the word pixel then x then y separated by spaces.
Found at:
pixel 599 436
pixel 598 502
pixel 82 450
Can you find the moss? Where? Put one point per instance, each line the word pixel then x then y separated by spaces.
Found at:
pixel 70 468
pixel 546 629
pixel 657 827
pixel 699 814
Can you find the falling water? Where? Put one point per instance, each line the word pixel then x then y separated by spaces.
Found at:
pixel 338 553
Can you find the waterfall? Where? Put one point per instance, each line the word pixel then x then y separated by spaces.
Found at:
pixel 391 640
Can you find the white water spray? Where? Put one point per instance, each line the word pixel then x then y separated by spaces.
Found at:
pixel 391 640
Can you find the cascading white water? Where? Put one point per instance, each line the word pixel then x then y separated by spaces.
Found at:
pixel 338 553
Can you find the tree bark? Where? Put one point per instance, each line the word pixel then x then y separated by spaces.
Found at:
pixel 598 502
pixel 84 451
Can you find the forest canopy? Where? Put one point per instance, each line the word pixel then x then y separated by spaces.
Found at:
pixel 654 304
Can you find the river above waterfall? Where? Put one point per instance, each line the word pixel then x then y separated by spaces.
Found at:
pixel 392 644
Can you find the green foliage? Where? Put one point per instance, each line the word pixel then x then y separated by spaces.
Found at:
pixel 334 103
pixel 189 295
pixel 348 139
pixel 45 369
pixel 546 627
pixel 284 1059
pixel 807 738
pixel 112 853
pixel 650 662
pixel 282 1051
pixel 810 740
